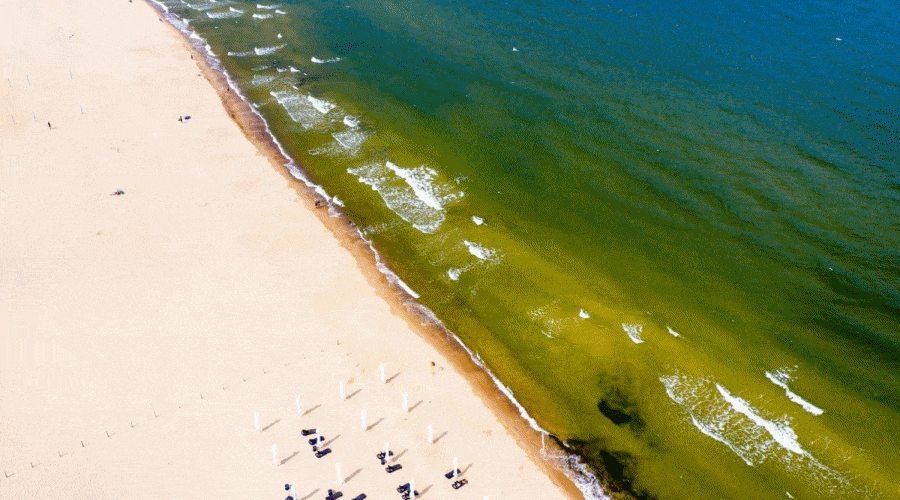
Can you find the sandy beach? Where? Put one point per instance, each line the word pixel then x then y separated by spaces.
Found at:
pixel 141 331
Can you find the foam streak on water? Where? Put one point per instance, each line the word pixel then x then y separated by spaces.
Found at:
pixel 264 51
pixel 634 332
pixel 781 378
pixel 480 252
pixel 299 108
pixel 406 193
pixel 756 439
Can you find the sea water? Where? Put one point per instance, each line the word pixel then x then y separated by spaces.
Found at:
pixel 670 230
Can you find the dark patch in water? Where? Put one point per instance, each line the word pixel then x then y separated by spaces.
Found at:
pixel 620 410
pixel 612 468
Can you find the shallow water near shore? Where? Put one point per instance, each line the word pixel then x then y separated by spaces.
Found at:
pixel 671 231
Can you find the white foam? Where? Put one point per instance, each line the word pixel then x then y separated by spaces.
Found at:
pixel 281 12
pixel 732 421
pixel 477 220
pixel 672 332
pixel 267 7
pixel 238 11
pixel 781 378
pixel 634 332
pixel 321 105
pixel 479 251
pixel 515 49
pixel 454 273
pixel 337 201
pixel 780 432
pixel 421 180
pixel 279 36
pixel 224 15
pixel 263 16
pixel 583 314
pixel 323 61
pixel 240 54
pixel 200 8
pixel 407 288
pixel 715 433
pixel 550 327
pixel 259 80
pixel 293 69
pixel 299 109
pixel 350 140
pixel 351 121
pixel 399 196
pixel 264 51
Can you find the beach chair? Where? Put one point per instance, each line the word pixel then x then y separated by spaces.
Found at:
pixel 459 484
pixel 406 495
pixel 307 432
pixel 317 441
pixel 403 488
pixel 392 468
pixel 322 453
pixel 334 496
pixel 382 457
pixel 450 474
pixel 361 496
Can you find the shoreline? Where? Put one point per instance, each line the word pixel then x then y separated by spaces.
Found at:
pixel 120 329
pixel 397 295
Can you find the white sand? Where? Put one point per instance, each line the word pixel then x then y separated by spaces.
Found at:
pixel 211 275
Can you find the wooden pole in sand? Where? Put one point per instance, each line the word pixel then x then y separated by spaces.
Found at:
pixel 364 419
pixel 274 454
pixel 412 488
pixel 337 469
pixel 382 373
pixel 406 402
pixel 299 407
pixel 430 434
pixel 256 419
pixel 387 451
pixel 343 396
pixel 455 467
pixel 294 490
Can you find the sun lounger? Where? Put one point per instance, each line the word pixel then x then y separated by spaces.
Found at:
pixel 322 453
pixel 381 455
pixel 450 474
pixel 361 496
pixel 406 495
pixel 307 432
pixel 317 441
pixel 334 496
pixel 392 468
pixel 402 488
pixel 459 484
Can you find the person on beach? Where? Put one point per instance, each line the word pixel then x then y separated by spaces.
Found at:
pixel 48 126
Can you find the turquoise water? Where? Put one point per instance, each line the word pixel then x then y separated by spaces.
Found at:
pixel 671 230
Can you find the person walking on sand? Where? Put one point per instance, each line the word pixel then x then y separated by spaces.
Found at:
pixel 48 126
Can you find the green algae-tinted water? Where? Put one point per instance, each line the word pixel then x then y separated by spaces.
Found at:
pixel 671 230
